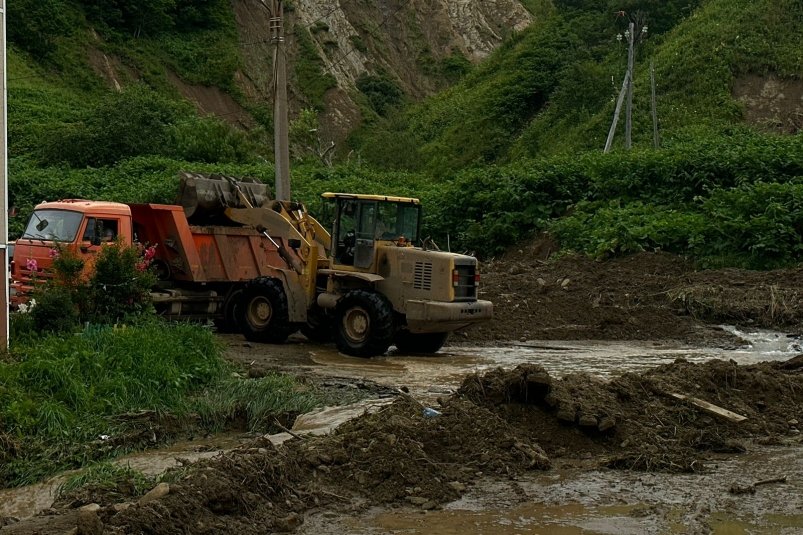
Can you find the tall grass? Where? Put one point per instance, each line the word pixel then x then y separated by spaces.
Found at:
pixel 59 396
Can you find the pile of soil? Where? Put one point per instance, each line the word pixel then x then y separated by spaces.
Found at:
pixel 503 423
pixel 395 455
pixel 634 422
pixel 646 296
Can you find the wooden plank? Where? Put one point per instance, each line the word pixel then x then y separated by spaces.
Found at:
pixel 710 408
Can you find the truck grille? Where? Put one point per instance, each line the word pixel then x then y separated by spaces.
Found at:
pixel 422 276
pixel 465 288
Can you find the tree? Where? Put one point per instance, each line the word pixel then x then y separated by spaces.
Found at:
pixel 34 25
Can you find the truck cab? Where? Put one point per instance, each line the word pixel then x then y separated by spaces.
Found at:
pixel 77 225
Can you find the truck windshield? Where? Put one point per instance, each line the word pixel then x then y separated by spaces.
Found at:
pixel 53 225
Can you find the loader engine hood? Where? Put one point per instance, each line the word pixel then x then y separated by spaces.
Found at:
pixel 413 273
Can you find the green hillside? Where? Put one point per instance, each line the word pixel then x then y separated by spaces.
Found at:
pixel 513 149
pixel 551 89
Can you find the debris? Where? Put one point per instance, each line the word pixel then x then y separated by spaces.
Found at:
pixel 751 489
pixel 710 408
pixel 159 491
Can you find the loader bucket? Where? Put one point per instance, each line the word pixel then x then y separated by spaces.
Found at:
pixel 205 197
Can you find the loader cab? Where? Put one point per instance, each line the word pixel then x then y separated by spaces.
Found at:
pixel 360 223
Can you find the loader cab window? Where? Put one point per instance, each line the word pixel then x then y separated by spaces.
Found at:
pixel 345 230
pixel 359 223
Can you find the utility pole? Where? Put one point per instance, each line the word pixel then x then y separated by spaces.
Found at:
pixel 617 111
pixel 629 110
pixel 656 139
pixel 4 327
pixel 280 120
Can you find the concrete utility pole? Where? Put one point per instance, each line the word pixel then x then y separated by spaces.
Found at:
pixel 280 120
pixel 617 111
pixel 656 139
pixel 3 181
pixel 629 111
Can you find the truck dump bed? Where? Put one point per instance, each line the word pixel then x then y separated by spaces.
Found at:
pixel 203 253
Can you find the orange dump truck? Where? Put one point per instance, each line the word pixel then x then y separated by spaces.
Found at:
pixel 202 268
pixel 267 268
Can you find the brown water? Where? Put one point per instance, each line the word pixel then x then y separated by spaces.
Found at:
pixel 575 501
pixel 443 372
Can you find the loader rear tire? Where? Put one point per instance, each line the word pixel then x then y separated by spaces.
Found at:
pixel 408 342
pixel 262 313
pixel 363 324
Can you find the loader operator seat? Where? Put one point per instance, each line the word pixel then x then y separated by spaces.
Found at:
pixel 349 241
pixel 347 233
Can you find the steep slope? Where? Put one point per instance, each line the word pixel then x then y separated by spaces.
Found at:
pixel 414 47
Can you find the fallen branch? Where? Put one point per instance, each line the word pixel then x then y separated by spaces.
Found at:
pixel 288 431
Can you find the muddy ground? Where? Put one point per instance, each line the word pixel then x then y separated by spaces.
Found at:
pixel 492 445
pixel 500 426
pixel 648 296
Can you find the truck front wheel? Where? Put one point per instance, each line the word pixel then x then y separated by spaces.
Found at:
pixel 420 342
pixel 262 314
pixel 364 324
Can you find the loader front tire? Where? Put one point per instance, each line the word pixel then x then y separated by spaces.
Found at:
pixel 408 342
pixel 363 324
pixel 262 313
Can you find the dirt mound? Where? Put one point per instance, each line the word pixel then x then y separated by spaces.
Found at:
pixel 772 299
pixel 399 453
pixel 634 419
pixel 395 455
pixel 647 296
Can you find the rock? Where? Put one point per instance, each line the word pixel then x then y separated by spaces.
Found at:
pixel 565 415
pixel 587 420
pixel 288 523
pixel 159 491
pixel 88 522
pixel 793 422
pixel 120 507
pixel 417 500
pixel 541 282
pixel 92 508
pixel 606 423
pixel 565 283
pixel 429 506
pixel 523 339
pixel 457 486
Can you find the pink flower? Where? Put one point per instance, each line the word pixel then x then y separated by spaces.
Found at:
pixel 32 265
pixel 54 253
pixel 150 252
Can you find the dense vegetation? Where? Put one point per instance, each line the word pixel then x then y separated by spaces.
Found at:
pixel 510 150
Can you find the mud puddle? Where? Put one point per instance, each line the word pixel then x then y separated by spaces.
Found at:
pixel 441 373
pixel 576 501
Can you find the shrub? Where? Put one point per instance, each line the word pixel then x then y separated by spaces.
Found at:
pixel 119 287
pixel 131 123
